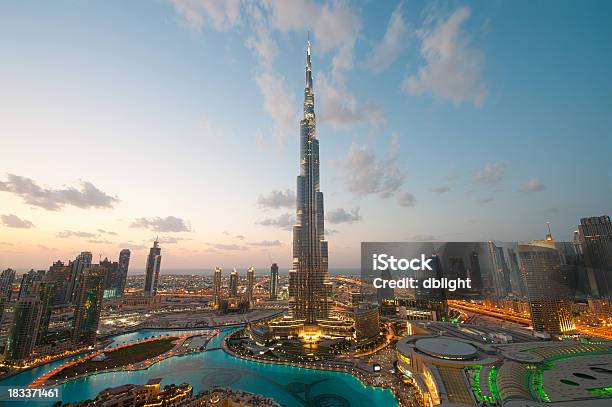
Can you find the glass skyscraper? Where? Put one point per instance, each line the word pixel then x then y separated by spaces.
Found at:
pixel 309 286
pixel 153 265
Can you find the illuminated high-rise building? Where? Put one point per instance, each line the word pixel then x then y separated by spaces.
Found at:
pixel 250 283
pixel 499 269
pixel 153 265
pixel 47 295
pixel 309 286
pixel 30 283
pixel 124 264
pixel 89 305
pixel 233 283
pixel 547 286
pixel 217 286
pixel 77 266
pixel 6 283
pixel 595 234
pixel 22 334
pixel 274 281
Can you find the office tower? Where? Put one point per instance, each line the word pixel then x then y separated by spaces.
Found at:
pixel 475 274
pixel 516 280
pixel 77 266
pixel 30 283
pixel 124 264
pixel 22 335
pixel 499 269
pixel 274 282
pixel 60 277
pixel 596 238
pixel 233 283
pixel 88 305
pixel 153 264
pixel 250 282
pixel 309 286
pixel 367 322
pixel 47 296
pixel 217 286
pixel 547 291
pixel 432 299
pixel 113 278
pixel 385 293
pixel 6 283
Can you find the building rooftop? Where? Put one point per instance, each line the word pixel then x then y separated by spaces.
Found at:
pixel 446 348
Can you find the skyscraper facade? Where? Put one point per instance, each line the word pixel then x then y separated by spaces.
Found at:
pixel 250 285
pixel 217 286
pixel 233 283
pixel 30 283
pixel 22 335
pixel 82 261
pixel 309 286
pixel 89 305
pixel 595 235
pixel 153 265
pixel 6 283
pixel 124 264
pixel 274 281
pixel 547 291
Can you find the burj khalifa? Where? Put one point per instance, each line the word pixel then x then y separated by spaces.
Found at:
pixel 309 286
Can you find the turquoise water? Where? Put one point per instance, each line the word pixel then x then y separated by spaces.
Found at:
pixel 290 386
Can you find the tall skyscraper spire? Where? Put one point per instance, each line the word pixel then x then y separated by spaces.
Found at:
pixel 309 287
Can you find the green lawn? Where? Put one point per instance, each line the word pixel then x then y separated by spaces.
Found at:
pixel 120 357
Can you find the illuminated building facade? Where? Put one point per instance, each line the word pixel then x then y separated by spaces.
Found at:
pixel 153 265
pixel 233 283
pixel 547 288
pixel 250 283
pixel 309 286
pixel 367 323
pixel 595 234
pixel 217 286
pixel 124 264
pixel 274 282
pixel 22 335
pixel 6 283
pixel 89 305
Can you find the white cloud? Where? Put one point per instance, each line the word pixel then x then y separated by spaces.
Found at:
pixel 406 199
pixel 13 221
pixel 167 224
pixel 221 15
pixel 227 247
pixel 54 199
pixel 534 185
pixel 266 243
pixel 452 68
pixel 491 174
pixel 277 199
pixel 340 215
pixel 341 109
pixel 284 221
pixel 279 103
pixel 364 173
pixel 70 233
pixel 335 25
pixel 393 43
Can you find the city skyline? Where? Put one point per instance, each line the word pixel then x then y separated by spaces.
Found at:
pixel 145 150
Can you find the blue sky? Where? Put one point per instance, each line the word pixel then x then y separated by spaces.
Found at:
pixel 443 120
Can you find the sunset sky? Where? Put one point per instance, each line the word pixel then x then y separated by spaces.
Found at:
pixel 125 120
